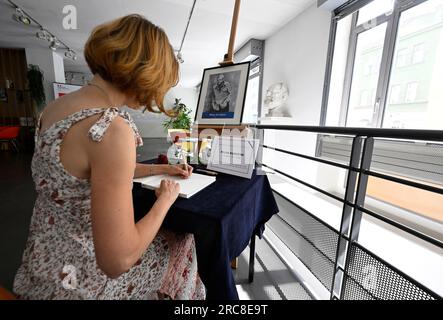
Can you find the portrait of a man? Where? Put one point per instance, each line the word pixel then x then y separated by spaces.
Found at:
pixel 222 94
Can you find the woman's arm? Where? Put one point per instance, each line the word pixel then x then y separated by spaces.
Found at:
pixel 143 170
pixel 119 242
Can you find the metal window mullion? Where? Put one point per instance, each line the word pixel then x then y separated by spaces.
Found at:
pixel 328 72
pixel 378 21
pixel 347 211
pixel 386 67
pixel 260 83
pixel 360 196
pixel 408 4
pixel 260 135
pixel 351 7
pixel 349 72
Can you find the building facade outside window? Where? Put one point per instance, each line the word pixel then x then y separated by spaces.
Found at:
pixel 395 48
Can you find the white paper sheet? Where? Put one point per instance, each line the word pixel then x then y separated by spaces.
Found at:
pixel 188 187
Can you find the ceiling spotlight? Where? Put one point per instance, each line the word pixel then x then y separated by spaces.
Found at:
pixel 20 16
pixel 70 54
pixel 54 44
pixel 42 34
pixel 180 57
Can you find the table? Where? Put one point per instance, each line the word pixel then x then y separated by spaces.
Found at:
pixel 223 217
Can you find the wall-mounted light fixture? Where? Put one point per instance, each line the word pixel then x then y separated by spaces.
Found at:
pixel 22 16
pixel 43 34
pixel 71 55
pixel 179 51
pixel 55 44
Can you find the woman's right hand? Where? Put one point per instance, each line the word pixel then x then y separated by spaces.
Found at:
pixel 168 190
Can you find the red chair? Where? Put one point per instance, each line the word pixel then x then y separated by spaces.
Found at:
pixel 10 135
pixel 6 295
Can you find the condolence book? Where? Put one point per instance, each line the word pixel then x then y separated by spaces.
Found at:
pixel 188 187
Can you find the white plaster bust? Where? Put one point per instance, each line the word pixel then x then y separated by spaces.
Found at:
pixel 275 101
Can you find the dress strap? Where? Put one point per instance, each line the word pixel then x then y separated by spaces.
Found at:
pixel 37 127
pixel 98 130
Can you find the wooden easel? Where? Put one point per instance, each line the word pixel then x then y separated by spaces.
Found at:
pixel 228 60
pixel 229 57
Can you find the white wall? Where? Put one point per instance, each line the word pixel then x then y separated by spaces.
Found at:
pixel 150 124
pixel 296 55
pixel 52 66
pixel 78 78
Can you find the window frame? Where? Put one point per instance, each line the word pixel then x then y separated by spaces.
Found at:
pixel 257 63
pixel 387 62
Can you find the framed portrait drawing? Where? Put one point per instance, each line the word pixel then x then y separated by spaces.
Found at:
pixel 222 95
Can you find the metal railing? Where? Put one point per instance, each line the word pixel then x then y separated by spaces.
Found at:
pixel 346 283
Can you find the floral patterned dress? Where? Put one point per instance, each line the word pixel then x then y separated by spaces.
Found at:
pixel 59 259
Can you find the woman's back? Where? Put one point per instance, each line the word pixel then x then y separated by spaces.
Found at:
pixel 59 259
pixel 83 241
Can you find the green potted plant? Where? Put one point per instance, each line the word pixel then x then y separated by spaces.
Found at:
pixel 178 126
pixel 38 99
pixel 181 120
pixel 36 88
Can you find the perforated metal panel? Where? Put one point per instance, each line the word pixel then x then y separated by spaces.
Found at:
pixel 420 161
pixel 311 241
pixel 321 235
pixel 369 278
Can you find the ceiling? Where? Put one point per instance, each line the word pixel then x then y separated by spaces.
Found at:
pixel 207 37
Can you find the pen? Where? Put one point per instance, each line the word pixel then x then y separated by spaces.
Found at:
pixel 184 160
pixel 212 173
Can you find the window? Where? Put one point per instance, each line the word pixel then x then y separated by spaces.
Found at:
pixel 364 98
pixel 411 92
pixel 373 10
pixel 394 50
pixel 418 55
pixel 252 51
pixel 402 58
pixel 250 113
pixel 369 45
pixel 395 94
pixel 395 47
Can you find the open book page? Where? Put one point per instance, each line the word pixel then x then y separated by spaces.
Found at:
pixel 188 187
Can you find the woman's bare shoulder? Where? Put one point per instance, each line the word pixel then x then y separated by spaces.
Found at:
pixel 64 106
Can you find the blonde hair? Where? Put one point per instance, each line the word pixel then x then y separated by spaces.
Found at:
pixel 136 57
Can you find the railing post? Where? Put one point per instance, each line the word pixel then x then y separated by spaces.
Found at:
pixel 260 135
pixel 346 220
pixel 361 188
pixel 360 197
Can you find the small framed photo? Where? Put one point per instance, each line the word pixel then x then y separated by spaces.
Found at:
pixel 222 95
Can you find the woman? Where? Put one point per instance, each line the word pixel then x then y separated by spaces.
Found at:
pixel 83 242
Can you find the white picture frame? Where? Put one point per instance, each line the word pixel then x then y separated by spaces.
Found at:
pixel 233 155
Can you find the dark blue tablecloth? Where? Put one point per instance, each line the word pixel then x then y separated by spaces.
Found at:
pixel 223 218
